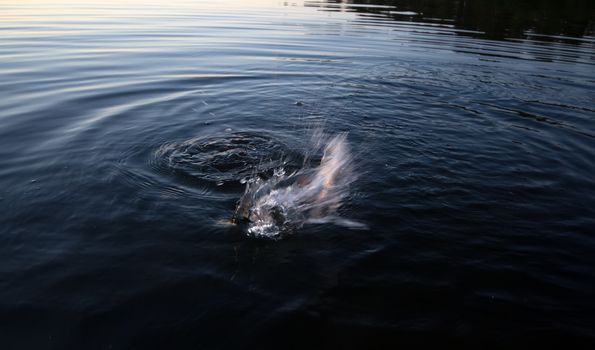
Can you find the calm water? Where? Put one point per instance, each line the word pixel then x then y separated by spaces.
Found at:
pixel 126 127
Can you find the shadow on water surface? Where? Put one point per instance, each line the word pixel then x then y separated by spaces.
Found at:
pixel 483 18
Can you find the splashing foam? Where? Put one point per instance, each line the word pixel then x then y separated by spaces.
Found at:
pixel 285 202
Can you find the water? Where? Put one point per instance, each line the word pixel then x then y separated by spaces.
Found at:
pixel 126 129
pixel 284 202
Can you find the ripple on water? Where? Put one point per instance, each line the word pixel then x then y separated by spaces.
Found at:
pixel 221 158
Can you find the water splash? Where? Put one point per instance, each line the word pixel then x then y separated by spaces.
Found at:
pixel 311 194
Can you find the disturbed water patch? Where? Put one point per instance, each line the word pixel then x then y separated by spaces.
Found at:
pixel 284 188
pixel 222 158
pixel 312 194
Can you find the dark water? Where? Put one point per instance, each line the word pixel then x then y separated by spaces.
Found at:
pixel 126 126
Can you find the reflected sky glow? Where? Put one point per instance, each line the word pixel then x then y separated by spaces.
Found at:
pixel 136 5
pixel 39 18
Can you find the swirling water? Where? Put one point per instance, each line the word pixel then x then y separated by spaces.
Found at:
pixel 126 127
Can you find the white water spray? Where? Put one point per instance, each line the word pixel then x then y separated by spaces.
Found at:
pixel 309 195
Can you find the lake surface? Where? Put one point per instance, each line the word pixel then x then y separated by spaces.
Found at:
pixel 471 125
